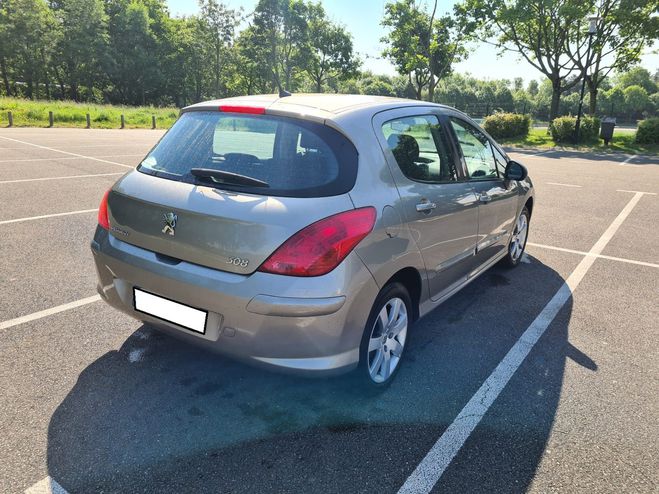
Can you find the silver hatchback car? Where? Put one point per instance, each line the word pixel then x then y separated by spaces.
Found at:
pixel 309 232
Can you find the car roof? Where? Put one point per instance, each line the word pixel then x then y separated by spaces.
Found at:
pixel 322 105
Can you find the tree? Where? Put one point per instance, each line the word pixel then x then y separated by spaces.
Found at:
pixel 538 30
pixel 82 49
pixel 624 29
pixel 280 39
pixel 637 76
pixel 421 46
pixel 614 98
pixel 331 53
pixel 636 99
pixel 28 32
pixel 218 23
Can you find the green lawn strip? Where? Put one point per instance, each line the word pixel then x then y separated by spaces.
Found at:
pixel 623 142
pixel 27 113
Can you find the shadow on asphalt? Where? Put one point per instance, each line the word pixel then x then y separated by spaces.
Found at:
pixel 159 415
pixel 613 156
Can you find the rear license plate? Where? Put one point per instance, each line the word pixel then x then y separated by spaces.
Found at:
pixel 170 311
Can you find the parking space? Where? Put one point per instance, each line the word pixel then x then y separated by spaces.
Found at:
pixel 95 401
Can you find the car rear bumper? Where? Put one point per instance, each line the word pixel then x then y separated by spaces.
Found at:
pixel 304 325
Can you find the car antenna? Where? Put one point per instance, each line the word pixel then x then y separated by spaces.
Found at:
pixel 283 93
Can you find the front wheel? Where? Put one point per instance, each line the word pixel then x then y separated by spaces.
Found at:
pixel 385 335
pixel 518 239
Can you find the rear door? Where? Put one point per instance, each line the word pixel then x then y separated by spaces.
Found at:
pixel 438 205
pixel 497 197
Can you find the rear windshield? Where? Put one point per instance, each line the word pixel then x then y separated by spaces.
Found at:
pixel 286 156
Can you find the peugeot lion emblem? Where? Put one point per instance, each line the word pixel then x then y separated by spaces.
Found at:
pixel 170 223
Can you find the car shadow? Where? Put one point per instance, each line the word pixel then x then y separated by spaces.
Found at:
pixel 162 416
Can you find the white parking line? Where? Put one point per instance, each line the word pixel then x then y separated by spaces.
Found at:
pixel 637 192
pixel 46 486
pixel 629 159
pixel 48 312
pixel 66 152
pixel 22 160
pixel 59 178
pixel 18 220
pixel 599 256
pixel 564 185
pixel 433 465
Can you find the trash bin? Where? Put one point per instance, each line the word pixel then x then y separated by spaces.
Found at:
pixel 606 129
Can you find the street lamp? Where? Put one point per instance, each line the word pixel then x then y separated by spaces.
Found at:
pixel 592 31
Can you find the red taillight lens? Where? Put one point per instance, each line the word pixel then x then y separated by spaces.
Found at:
pixel 254 110
pixel 321 246
pixel 103 220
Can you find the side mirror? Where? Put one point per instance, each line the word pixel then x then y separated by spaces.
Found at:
pixel 515 171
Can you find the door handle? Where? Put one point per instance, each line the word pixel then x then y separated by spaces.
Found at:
pixel 484 197
pixel 425 206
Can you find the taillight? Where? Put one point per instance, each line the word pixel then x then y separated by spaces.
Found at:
pixel 254 110
pixel 320 247
pixel 103 220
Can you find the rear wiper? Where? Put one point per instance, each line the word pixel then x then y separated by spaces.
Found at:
pixel 222 177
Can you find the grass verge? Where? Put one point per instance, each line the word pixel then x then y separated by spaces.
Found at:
pixel 623 142
pixel 28 113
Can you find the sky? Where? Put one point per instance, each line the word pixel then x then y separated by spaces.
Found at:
pixel 362 19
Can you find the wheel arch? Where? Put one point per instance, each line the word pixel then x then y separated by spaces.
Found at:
pixel 410 278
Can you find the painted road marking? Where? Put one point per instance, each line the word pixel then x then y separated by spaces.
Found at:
pixel 18 220
pixel 629 159
pixel 46 486
pixel 22 160
pixel 599 256
pixel 564 185
pixel 433 465
pixel 66 152
pixel 58 178
pixel 637 192
pixel 48 312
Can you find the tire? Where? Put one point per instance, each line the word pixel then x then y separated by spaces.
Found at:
pixel 385 346
pixel 517 244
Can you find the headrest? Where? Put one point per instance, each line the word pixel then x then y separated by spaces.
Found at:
pixel 404 147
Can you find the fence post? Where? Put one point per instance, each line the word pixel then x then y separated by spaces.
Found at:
pixel 123 122
pixel 11 118
pixel 89 122
pixel 153 121
pixel 51 120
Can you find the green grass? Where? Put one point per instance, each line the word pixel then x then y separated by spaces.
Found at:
pixel 29 113
pixel 623 142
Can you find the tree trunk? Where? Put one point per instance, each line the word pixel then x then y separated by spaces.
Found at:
pixel 555 99
pixel 592 103
pixel 5 78
pixel 319 85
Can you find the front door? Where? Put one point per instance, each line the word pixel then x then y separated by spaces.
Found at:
pixel 497 197
pixel 439 205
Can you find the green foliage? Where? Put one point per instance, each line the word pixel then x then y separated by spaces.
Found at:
pixel 648 131
pixel 501 125
pixel 562 129
pixel 421 45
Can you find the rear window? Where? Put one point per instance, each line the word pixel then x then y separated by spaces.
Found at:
pixel 295 158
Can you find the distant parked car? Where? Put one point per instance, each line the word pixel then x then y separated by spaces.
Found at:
pixel 309 232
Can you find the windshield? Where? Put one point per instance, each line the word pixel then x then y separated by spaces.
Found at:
pixel 291 157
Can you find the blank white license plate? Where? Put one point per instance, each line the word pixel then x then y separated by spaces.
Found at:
pixel 170 311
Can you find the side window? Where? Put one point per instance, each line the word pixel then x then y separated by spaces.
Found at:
pixel 476 149
pixel 500 160
pixel 421 150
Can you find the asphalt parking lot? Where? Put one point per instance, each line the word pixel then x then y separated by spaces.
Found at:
pixel 505 389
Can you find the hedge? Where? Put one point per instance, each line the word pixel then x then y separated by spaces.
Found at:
pixel 562 129
pixel 502 125
pixel 648 131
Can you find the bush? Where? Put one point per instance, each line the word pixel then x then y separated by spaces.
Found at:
pixel 562 129
pixel 502 125
pixel 648 131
